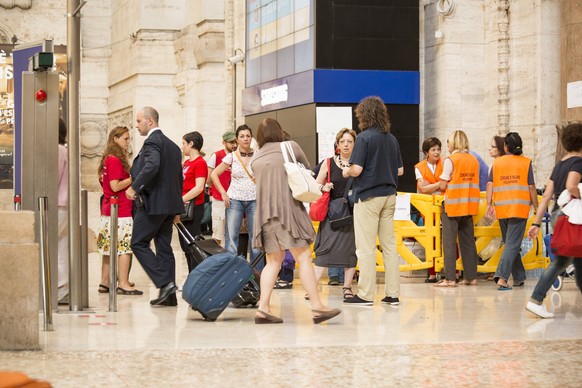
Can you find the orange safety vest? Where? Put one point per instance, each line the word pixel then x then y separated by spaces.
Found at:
pixel 511 196
pixel 462 193
pixel 426 172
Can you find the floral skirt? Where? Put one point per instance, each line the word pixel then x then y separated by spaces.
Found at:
pixel 124 227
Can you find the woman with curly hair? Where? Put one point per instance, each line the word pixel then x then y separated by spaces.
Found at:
pixel 113 172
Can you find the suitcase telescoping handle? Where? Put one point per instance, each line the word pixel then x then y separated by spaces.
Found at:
pixel 184 232
pixel 260 257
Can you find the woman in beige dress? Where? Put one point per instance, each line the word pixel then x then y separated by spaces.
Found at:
pixel 281 223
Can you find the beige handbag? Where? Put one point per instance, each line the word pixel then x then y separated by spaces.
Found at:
pixel 303 185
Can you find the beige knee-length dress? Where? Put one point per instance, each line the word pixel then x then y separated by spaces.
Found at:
pixel 281 222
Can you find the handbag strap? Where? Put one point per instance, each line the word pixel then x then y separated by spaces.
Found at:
pixel 287 151
pixel 252 178
pixel 348 187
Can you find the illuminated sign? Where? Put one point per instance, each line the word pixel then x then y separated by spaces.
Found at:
pixel 274 95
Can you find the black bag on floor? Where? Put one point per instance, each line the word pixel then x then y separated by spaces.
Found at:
pixel 198 248
pixel 251 292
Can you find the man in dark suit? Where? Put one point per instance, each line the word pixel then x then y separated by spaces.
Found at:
pixel 157 190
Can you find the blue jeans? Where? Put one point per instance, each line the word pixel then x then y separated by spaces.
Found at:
pixel 512 230
pixel 337 272
pixel 234 217
pixel 551 273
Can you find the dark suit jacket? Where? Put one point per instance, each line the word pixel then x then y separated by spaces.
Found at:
pixel 157 175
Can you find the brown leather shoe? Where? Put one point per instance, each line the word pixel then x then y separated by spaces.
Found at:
pixel 268 318
pixel 323 316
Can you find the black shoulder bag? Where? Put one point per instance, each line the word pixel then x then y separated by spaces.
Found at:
pixel 339 211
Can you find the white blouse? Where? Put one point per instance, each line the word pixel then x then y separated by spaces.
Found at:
pixel 241 186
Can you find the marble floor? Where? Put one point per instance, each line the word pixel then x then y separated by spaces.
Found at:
pixel 464 336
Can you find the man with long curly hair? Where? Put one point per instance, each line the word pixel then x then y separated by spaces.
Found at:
pixel 376 164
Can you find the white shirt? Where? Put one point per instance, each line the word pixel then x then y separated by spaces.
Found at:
pixel 152 131
pixel 448 168
pixel 241 188
pixel 431 167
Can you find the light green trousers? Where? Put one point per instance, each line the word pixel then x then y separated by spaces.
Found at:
pixel 375 217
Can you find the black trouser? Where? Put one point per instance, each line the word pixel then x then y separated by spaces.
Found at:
pixel 463 228
pixel 160 266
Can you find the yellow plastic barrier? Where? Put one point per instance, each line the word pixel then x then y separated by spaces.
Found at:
pixel 429 237
pixel 484 234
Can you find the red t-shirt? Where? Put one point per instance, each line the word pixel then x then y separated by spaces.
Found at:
pixel 224 178
pixel 113 170
pixel 193 169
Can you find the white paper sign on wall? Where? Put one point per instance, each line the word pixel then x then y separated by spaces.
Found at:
pixel 329 121
pixel 574 94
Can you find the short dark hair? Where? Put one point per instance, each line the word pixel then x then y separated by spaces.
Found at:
pixel 572 137
pixel 243 127
pixel 62 131
pixel 269 131
pixel 195 138
pixel 427 144
pixel 514 143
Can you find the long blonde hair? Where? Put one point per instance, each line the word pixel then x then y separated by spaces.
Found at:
pixel 112 148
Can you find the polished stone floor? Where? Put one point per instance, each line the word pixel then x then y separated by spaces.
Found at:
pixel 464 336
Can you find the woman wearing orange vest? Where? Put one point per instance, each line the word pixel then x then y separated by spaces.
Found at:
pixel 460 182
pixel 511 191
pixel 427 173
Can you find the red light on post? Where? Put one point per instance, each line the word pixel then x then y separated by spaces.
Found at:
pixel 40 96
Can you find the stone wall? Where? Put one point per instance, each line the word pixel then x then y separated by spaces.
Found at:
pixel 495 69
pixel 96 43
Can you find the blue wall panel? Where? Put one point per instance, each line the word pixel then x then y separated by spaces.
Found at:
pixel 350 86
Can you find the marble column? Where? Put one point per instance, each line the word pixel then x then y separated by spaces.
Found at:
pixel 503 67
pixel 571 31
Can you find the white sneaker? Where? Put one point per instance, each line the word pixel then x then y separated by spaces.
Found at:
pixel 539 310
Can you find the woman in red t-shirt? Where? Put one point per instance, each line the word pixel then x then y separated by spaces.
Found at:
pixel 195 172
pixel 114 178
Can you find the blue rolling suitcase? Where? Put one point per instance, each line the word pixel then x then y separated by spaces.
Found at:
pixel 211 286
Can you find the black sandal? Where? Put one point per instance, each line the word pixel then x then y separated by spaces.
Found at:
pixel 103 289
pixel 123 291
pixel 283 284
pixel 348 294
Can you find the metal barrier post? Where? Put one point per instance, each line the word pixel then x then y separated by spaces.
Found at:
pixel 84 251
pixel 45 265
pixel 113 255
